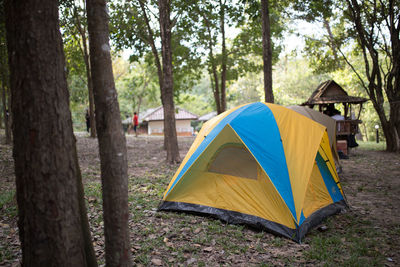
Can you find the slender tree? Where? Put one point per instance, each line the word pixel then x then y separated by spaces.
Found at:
pixel 135 26
pixel 267 52
pixel 75 27
pixel 213 20
pixel 112 143
pixel 167 94
pixel 48 182
pixel 4 77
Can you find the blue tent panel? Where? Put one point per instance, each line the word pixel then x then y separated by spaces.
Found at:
pixel 330 183
pixel 257 128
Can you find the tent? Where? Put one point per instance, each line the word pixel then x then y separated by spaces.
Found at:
pixel 262 165
pixel 325 120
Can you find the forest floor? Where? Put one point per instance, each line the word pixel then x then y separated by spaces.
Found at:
pixel 367 235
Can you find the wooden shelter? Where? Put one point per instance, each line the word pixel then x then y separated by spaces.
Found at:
pixel 330 93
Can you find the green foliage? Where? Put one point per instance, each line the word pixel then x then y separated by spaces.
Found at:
pixel 357 244
pixel 73 26
pixel 129 30
pixel 137 87
pixel 246 89
pixel 294 81
pixel 198 100
pixel 249 40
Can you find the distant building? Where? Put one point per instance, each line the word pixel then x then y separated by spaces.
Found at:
pixel 152 121
pixel 207 116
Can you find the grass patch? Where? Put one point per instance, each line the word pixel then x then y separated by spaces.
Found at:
pixel 354 243
pixel 6 253
pixel 370 145
pixel 8 204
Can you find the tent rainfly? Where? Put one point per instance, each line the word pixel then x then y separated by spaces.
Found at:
pixel 325 120
pixel 262 165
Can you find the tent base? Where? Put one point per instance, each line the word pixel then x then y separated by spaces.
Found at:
pixel 234 217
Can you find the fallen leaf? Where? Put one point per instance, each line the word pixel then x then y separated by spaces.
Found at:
pixel 191 261
pixel 157 262
pixel 207 249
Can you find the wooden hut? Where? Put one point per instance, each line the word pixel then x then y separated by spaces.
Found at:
pixel 326 96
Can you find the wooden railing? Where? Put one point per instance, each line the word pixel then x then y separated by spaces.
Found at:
pixel 347 127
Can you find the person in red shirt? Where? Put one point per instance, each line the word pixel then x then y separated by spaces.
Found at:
pixel 135 123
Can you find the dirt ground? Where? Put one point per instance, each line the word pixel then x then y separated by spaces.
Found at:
pixel 368 233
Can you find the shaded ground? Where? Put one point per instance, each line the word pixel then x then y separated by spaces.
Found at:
pixel 369 234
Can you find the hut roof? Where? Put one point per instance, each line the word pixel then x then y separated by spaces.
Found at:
pixel 157 114
pixel 330 92
pixel 208 116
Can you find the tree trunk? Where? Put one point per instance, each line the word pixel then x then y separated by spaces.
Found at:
pixel 90 91
pixel 9 118
pixel 332 42
pixel 377 79
pixel 167 91
pixel 5 84
pixel 85 54
pixel 112 143
pixel 224 57
pixel 5 113
pixel 90 87
pixel 213 71
pixel 365 131
pixel 49 220
pixel 267 52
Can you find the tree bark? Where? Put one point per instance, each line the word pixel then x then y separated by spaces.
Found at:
pixel 46 170
pixel 224 57
pixel 112 143
pixel 267 52
pixel 167 90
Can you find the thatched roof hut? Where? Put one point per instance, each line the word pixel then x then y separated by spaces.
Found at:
pixel 329 92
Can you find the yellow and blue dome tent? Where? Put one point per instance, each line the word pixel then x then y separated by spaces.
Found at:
pixel 262 165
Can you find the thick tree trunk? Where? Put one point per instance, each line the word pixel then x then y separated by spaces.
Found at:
pixel 395 123
pixel 224 57
pixel 167 91
pixel 50 225
pixel 112 143
pixel 267 52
